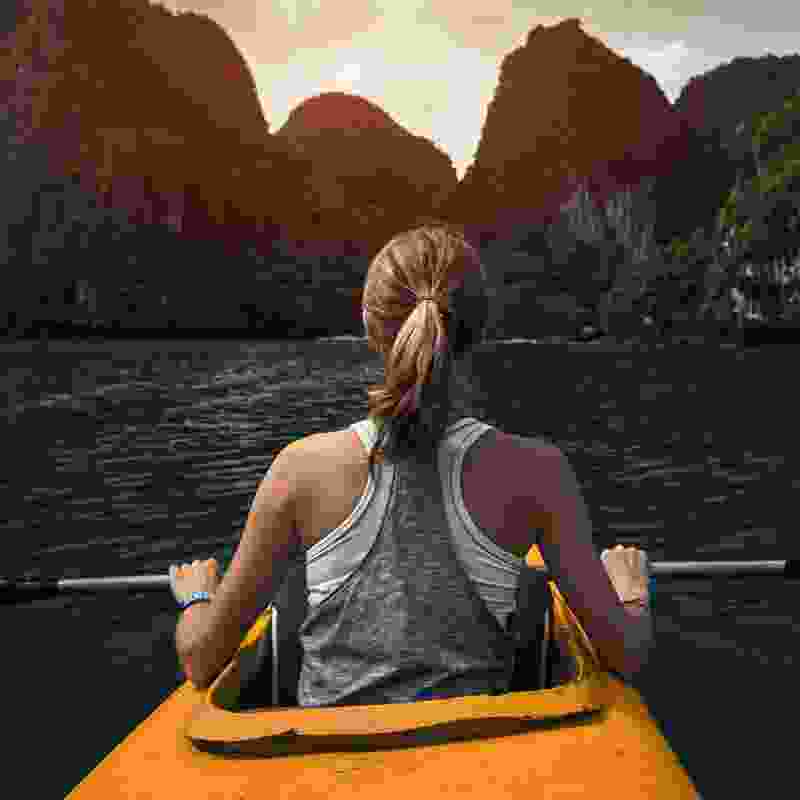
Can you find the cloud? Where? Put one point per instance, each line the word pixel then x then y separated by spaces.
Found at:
pixel 670 63
pixel 667 64
pixel 346 79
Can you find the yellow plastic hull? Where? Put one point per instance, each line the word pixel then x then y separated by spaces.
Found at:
pixel 621 756
pixel 524 745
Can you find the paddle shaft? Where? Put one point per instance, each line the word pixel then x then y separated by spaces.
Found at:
pixel 15 591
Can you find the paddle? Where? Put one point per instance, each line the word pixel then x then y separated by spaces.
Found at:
pixel 25 590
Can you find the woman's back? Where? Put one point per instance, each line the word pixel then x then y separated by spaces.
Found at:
pixel 518 491
pixel 408 597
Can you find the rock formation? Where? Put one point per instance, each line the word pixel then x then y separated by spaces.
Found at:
pixel 157 111
pixel 371 178
pixel 724 96
pixel 712 105
pixel 566 108
pixel 155 114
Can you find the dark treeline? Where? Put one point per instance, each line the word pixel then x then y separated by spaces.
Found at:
pixel 73 266
pixel 709 249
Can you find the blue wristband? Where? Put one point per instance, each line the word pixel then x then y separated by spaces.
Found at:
pixel 195 597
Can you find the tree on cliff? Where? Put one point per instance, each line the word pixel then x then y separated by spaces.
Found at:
pixel 761 215
pixel 605 252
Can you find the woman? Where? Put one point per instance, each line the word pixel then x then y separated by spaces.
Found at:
pixel 415 522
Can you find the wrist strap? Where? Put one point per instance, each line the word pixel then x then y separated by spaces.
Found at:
pixel 195 597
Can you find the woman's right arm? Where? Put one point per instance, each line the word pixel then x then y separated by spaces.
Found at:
pixel 622 635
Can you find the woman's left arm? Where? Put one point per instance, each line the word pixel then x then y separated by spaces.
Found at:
pixel 208 634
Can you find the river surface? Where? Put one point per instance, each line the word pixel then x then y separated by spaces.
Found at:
pixel 125 457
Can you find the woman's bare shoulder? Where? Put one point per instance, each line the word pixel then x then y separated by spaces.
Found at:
pixel 518 466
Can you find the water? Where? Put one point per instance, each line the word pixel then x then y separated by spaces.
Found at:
pixel 123 458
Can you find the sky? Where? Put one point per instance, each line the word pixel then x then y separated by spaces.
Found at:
pixel 433 65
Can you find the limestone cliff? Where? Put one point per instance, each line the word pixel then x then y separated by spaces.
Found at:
pixel 156 110
pixel 566 108
pixel 711 106
pixel 371 178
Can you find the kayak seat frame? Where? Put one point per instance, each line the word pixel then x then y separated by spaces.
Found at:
pixel 274 675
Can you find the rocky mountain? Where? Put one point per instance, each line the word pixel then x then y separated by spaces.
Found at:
pixel 158 117
pixel 713 105
pixel 566 108
pixel 371 178
pixel 732 92
pixel 155 110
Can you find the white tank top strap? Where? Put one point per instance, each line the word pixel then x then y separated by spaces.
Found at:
pixel 494 571
pixel 367 431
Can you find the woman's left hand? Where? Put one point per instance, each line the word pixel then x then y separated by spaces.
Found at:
pixel 199 576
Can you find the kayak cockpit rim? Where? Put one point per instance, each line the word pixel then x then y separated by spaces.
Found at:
pixel 218 724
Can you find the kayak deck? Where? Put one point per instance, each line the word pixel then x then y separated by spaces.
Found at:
pixel 591 736
pixel 621 754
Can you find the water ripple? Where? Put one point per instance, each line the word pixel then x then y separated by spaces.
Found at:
pixel 180 436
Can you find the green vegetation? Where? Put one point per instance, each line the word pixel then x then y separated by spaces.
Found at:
pixel 757 229
pixel 752 248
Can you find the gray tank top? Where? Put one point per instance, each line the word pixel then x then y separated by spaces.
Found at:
pixel 407 624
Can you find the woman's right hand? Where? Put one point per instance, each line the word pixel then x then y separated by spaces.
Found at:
pixel 628 569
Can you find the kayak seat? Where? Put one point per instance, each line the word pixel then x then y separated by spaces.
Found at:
pixel 535 653
pixel 273 678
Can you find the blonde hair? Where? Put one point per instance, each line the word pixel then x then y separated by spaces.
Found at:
pixel 421 341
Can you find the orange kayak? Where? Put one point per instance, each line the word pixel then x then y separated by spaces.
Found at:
pixel 585 734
